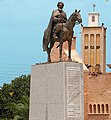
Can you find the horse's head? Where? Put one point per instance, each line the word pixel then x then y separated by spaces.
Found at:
pixel 76 17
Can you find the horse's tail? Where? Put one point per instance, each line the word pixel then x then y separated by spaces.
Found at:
pixel 44 44
pixel 45 41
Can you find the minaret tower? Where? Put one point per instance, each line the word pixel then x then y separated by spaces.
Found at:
pixel 94 43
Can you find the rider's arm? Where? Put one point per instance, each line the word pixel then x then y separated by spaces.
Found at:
pixel 55 18
pixel 65 17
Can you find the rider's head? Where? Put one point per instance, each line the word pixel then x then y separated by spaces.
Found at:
pixel 60 6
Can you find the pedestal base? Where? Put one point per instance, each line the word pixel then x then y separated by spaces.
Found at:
pixel 56 92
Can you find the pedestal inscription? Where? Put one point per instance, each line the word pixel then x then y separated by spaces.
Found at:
pixel 73 78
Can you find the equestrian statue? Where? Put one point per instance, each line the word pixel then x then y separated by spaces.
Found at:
pixel 60 29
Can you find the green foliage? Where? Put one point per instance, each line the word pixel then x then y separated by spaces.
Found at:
pixel 15 107
pixel 21 110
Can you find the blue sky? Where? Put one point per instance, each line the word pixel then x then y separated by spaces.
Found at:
pixel 22 23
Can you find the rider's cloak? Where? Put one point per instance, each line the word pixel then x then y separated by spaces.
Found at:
pixel 47 34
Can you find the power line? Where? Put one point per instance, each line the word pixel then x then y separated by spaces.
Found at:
pixel 9 72
pixel 15 64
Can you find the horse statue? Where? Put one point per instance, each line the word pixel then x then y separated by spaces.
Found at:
pixel 65 34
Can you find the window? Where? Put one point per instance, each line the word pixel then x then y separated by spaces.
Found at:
pixel 91 47
pixel 93 18
pixel 98 109
pixel 107 109
pixel 97 47
pixel 94 107
pixel 102 108
pixel 86 47
pixel 90 108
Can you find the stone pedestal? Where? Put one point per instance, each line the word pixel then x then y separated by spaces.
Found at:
pixel 56 92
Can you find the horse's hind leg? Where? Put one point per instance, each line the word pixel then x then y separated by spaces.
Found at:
pixel 60 51
pixel 49 51
pixel 69 47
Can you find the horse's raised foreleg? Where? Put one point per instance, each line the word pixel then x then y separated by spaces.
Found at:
pixel 60 51
pixel 69 47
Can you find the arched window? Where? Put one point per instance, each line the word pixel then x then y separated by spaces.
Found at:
pixel 90 108
pixel 102 108
pixel 98 41
pixel 94 107
pixel 92 52
pixel 107 109
pixel 86 39
pixel 98 108
pixel 86 43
